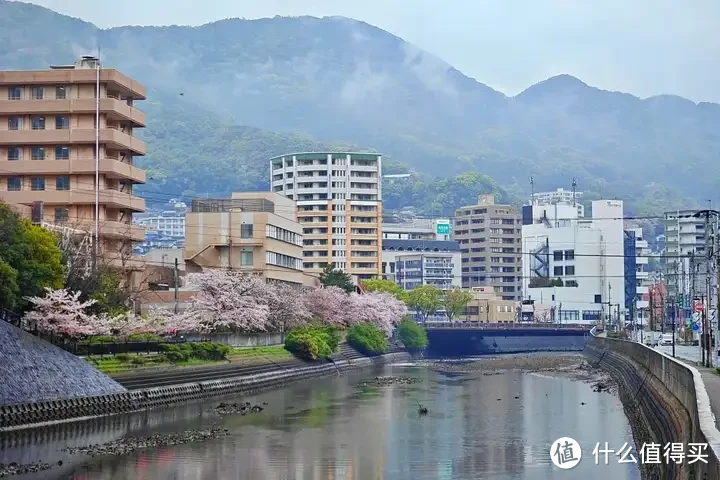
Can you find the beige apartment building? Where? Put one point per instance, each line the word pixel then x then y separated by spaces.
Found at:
pixel 254 231
pixel 490 238
pixel 488 307
pixel 339 205
pixel 50 149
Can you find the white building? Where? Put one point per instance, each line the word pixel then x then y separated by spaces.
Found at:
pixel 168 223
pixel 338 197
pixel 575 264
pixel 562 197
pixel 411 263
pixel 643 278
pixel 417 229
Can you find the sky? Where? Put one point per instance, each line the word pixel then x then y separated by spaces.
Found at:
pixel 643 47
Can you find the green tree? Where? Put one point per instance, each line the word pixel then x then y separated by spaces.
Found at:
pixel 333 277
pixel 412 335
pixel 426 300
pixel 455 301
pixel 30 260
pixel 385 286
pixel 368 339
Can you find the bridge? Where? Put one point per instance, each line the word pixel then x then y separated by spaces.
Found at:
pixel 457 339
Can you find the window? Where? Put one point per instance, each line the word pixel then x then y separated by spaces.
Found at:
pixel 558 271
pixel 591 314
pixel 15 93
pixel 272 258
pixel 37 183
pixel 14 123
pixel 37 93
pixel 38 153
pixel 61 214
pixel 246 230
pixel 62 152
pixel 284 235
pixel 14 153
pixel 14 184
pixel 569 254
pixel 246 257
pixel 558 255
pixel 38 123
pixel 61 92
pixel 598 298
pixel 62 182
pixel 569 315
pixel 62 122
pixel 570 270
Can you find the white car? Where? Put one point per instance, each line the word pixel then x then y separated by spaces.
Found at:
pixel 666 339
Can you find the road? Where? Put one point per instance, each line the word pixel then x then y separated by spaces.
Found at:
pixel 685 352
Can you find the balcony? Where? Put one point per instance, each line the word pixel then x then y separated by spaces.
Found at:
pixel 112 198
pixel 108 228
pixel 115 80
pixel 110 167
pixel 113 138
pixel 115 109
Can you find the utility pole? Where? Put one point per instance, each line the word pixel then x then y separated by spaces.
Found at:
pixel 176 275
pixel 707 333
pixel 652 313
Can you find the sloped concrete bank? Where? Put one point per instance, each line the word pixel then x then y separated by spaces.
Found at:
pixel 31 415
pixel 665 402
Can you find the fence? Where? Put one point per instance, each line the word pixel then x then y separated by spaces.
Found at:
pixel 507 326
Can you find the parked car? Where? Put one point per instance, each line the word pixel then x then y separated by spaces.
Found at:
pixel 666 339
pixel 651 339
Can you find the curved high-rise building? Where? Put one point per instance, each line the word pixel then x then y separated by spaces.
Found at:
pixel 339 205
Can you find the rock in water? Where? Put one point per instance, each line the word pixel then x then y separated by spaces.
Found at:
pixel 33 370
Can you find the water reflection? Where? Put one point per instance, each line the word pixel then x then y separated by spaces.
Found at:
pixel 332 429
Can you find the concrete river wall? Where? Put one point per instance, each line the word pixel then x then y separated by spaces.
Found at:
pixel 666 402
pixel 30 415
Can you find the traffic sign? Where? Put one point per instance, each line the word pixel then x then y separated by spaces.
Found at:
pixel 695 327
pixel 698 306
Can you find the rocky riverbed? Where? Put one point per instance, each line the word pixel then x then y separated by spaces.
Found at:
pixel 388 381
pixel 128 445
pixel 574 367
pixel 237 408
pixel 18 469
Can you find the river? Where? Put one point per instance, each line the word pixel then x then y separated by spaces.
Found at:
pixel 332 428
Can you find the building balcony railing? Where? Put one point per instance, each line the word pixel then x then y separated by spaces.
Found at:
pixel 112 198
pixel 110 167
pixel 115 80
pixel 113 138
pixel 108 228
pixel 113 108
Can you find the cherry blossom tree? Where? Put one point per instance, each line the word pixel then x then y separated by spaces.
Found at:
pixel 329 304
pixel 229 300
pixel 288 308
pixel 381 309
pixel 61 311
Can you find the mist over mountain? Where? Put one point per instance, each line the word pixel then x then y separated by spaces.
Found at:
pixel 333 81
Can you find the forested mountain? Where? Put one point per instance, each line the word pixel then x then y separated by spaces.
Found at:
pixel 330 82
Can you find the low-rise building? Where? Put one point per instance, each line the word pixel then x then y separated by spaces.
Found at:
pixel 417 229
pixel 411 263
pixel 575 264
pixel 256 232
pixel 487 307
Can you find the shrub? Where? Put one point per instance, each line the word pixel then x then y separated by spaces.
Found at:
pixel 182 352
pixel 368 339
pixel 312 342
pixel 123 357
pixel 412 335
pixel 144 337
pixel 138 360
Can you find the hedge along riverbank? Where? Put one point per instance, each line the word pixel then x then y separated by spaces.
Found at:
pixel 31 415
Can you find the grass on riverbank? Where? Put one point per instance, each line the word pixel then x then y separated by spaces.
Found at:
pixel 112 364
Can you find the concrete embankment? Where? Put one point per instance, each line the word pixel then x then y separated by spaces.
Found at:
pixel 30 415
pixel 665 401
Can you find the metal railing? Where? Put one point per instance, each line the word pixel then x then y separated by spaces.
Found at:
pixel 505 326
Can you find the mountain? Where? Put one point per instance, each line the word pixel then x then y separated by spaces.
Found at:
pixel 336 81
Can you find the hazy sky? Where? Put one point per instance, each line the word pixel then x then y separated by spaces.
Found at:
pixel 644 47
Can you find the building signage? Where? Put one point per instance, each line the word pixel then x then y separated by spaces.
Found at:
pixel 442 228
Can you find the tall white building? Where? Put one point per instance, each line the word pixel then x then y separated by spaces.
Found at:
pixel 642 276
pixel 339 205
pixel 575 265
pixel 562 197
pixel 411 263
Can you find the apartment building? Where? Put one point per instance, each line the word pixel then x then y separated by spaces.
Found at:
pixel 488 307
pixel 638 278
pixel 489 235
pixel 560 197
pixel 56 136
pixel 417 229
pixel 339 205
pixel 411 263
pixel 255 232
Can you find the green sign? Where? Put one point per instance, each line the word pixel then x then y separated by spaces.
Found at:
pixel 442 228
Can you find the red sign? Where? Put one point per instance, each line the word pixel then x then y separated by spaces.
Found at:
pixel 698 306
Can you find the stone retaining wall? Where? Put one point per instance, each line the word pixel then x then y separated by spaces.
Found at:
pixel 665 401
pixel 29 415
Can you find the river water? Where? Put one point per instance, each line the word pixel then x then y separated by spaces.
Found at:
pixel 332 428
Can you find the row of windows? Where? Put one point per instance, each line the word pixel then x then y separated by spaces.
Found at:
pixel 283 235
pixel 39 153
pixel 39 93
pixel 567 254
pixel 15 184
pixel 569 270
pixel 62 122
pixel 273 258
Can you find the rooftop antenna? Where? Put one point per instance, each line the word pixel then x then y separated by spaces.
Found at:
pixel 574 187
pixel 532 190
